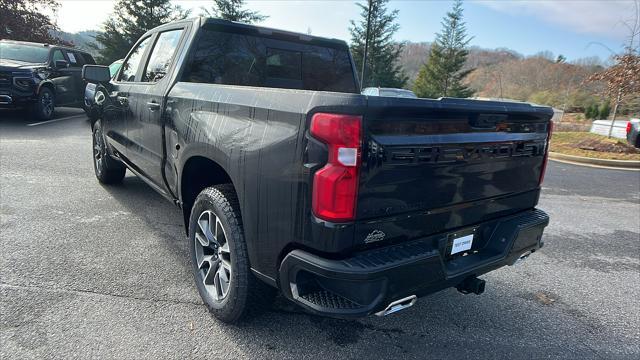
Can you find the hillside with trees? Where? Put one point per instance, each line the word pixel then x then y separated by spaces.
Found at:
pixel 540 78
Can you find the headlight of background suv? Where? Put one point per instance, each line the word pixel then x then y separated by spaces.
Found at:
pixel 23 82
pixel 42 73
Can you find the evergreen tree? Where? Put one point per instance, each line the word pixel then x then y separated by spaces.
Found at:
pixel 233 10
pixel 588 111
pixel 383 53
pixel 605 110
pixel 131 19
pixel 592 111
pixel 442 74
pixel 27 20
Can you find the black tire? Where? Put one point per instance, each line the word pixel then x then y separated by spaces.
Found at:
pixel 246 295
pixel 45 104
pixel 107 169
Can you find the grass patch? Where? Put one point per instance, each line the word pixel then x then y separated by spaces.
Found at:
pixel 593 145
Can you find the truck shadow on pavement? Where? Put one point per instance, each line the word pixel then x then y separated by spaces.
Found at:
pixel 505 320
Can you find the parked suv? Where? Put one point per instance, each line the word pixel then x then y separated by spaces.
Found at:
pixel 289 179
pixel 40 77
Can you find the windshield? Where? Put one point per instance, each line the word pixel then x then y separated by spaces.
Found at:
pixel 397 93
pixel 22 52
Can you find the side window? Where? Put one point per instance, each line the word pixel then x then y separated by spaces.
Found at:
pixel 224 58
pixel 57 55
pixel 73 60
pixel 130 67
pixel 161 56
pixel 237 59
pixel 88 59
pixel 328 69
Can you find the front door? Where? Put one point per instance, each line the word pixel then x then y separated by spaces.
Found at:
pixel 117 109
pixel 62 78
pixel 145 126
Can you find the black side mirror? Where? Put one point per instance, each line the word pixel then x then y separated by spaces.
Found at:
pixel 96 74
pixel 61 64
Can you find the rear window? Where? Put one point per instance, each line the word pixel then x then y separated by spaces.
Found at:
pixel 248 60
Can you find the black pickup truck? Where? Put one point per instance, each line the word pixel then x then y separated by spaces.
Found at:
pixel 291 180
pixel 39 77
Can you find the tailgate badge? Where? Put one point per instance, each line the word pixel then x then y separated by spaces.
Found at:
pixel 375 235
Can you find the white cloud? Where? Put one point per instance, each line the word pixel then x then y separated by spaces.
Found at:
pixel 603 18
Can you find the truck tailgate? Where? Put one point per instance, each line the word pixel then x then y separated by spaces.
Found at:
pixel 426 157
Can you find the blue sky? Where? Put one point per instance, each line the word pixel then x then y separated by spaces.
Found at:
pixel 565 27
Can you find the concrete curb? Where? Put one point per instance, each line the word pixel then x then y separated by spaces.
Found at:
pixel 621 164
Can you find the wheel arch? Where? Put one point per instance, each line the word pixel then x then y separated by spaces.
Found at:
pixel 47 84
pixel 198 173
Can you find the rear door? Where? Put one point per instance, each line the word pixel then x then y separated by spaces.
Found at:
pixel 146 98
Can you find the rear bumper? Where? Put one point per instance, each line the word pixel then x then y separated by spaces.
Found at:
pixel 367 282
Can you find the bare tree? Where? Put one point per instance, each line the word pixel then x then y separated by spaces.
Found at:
pixel 623 78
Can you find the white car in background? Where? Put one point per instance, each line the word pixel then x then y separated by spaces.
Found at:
pixel 389 92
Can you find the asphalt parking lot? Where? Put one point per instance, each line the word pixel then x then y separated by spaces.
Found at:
pixel 88 271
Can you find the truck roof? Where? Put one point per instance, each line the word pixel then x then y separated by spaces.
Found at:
pixel 248 28
pixel 46 45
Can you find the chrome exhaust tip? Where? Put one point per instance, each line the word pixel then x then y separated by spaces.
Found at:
pixel 522 257
pixel 398 305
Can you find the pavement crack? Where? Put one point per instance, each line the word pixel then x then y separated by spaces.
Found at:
pixel 98 293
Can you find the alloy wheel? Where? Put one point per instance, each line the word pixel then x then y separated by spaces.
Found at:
pixel 47 103
pixel 213 255
pixel 98 149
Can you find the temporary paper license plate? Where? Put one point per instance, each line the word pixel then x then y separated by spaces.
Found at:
pixel 461 244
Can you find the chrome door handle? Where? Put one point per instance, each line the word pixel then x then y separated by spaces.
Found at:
pixel 153 106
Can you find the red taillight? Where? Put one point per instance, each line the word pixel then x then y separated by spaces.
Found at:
pixel 628 127
pixel 335 186
pixel 546 153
